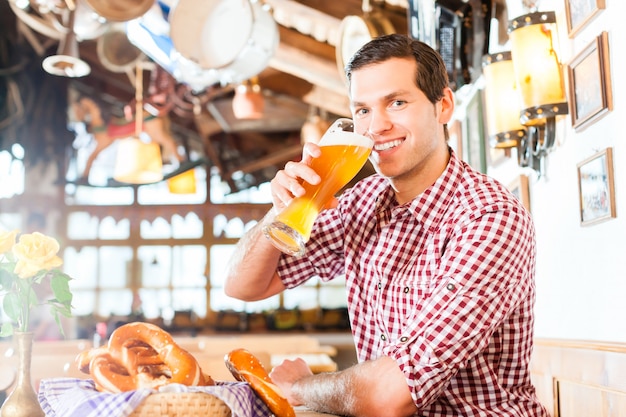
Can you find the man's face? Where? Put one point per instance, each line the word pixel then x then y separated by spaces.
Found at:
pixel 406 127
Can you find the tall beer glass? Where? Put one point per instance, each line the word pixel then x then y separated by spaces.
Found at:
pixel 343 155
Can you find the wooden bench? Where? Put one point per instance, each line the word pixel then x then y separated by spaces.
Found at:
pixel 580 378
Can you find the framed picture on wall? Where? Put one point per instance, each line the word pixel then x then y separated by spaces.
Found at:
pixel 520 188
pixel 590 83
pixel 596 188
pixel 579 12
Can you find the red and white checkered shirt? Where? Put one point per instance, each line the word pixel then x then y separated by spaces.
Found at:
pixel 444 285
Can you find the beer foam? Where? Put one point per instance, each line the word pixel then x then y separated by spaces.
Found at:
pixel 343 137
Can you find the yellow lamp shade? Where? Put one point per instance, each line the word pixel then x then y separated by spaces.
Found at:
pixel 138 162
pixel 183 183
pixel 537 67
pixel 502 101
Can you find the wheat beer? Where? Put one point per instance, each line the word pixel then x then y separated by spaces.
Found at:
pixel 343 154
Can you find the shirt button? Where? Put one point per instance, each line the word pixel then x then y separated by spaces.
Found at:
pixel 383 337
pixel 406 290
pixel 403 339
pixel 380 285
pixel 450 287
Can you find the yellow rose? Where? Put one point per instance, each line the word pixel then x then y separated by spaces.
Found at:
pixel 7 240
pixel 35 252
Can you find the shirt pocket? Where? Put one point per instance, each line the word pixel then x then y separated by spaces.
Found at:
pixel 403 298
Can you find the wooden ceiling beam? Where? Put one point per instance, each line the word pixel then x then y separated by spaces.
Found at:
pixel 309 67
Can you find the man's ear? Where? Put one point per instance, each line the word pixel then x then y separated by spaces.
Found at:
pixel 447 106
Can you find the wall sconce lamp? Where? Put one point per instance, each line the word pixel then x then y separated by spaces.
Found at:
pixel 502 102
pixel 532 73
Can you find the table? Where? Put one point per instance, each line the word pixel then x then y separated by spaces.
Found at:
pixel 318 362
pixel 305 412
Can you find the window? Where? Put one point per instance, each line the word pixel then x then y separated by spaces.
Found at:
pixel 141 248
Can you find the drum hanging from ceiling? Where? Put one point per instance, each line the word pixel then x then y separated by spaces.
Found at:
pixel 150 33
pixel 235 37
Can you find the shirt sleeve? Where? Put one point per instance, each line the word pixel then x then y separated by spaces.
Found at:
pixel 483 277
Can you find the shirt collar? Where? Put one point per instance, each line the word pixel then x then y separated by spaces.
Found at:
pixel 429 207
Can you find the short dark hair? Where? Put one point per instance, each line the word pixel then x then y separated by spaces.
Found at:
pixel 431 76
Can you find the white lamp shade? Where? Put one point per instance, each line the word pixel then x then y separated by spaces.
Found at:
pixel 67 62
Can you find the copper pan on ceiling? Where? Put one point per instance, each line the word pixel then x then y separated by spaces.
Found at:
pixel 120 10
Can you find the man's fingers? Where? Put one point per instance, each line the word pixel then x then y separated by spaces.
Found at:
pixel 288 182
pixel 297 171
pixel 310 150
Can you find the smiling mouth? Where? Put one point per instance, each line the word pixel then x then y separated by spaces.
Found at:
pixel 387 145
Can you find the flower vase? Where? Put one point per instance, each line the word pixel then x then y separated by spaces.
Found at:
pixel 23 401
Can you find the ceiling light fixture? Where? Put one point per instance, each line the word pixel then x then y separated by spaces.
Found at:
pixel 138 162
pixel 67 62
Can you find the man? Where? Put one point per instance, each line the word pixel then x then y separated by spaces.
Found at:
pixel 439 259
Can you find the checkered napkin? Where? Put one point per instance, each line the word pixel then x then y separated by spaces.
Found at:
pixel 73 397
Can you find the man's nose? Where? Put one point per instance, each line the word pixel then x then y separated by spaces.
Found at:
pixel 379 122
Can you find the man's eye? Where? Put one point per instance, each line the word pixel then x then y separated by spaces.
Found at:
pixel 398 103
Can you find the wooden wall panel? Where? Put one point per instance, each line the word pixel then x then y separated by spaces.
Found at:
pixel 580 378
pixel 586 400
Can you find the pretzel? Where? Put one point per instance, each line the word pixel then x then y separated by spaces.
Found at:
pixel 141 355
pixel 112 376
pixel 245 367
pixel 85 357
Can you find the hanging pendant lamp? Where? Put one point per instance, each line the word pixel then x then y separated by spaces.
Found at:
pixel 67 62
pixel 138 161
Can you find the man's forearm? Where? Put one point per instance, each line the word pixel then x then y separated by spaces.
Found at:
pixel 252 267
pixel 327 393
pixel 373 388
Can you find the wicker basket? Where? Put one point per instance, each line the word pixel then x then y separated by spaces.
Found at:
pixel 182 404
